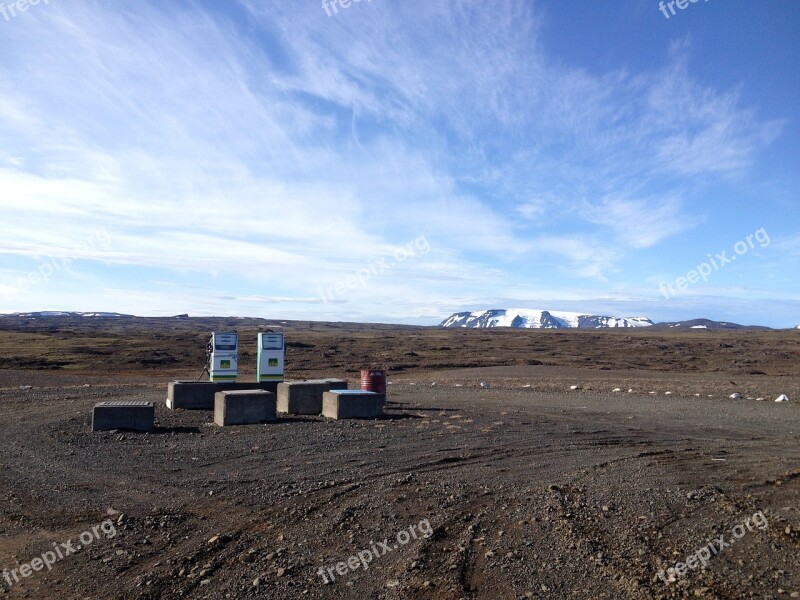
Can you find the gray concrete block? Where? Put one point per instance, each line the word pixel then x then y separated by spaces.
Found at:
pixel 199 395
pixel 123 414
pixel 244 407
pixel 305 397
pixel 352 404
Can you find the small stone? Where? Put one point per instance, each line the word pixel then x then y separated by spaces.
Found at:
pixel 281 572
pixel 213 539
pixel 701 591
pixel 392 583
pixel 257 582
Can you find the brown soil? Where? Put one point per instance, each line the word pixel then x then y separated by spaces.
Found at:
pixel 532 490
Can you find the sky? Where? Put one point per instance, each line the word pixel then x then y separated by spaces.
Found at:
pixel 382 161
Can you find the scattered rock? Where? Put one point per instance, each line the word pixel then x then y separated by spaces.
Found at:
pixel 782 398
pixel 735 396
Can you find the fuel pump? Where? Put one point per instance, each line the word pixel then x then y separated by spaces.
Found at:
pixel 223 356
pixel 271 353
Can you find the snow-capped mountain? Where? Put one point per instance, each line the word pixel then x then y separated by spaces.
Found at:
pixel 526 318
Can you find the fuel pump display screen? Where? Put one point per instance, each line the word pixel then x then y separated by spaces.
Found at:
pixel 226 342
pixel 272 341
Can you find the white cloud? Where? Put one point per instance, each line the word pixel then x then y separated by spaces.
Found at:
pixel 290 153
pixel 641 223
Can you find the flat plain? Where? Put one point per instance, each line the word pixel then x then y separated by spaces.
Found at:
pixel 531 489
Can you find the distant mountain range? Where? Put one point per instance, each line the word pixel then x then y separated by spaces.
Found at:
pixel 705 324
pixel 59 313
pixel 519 318
pixel 44 314
pixel 525 318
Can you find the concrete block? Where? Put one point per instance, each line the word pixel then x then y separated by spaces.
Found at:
pixel 305 397
pixel 123 414
pixel 352 404
pixel 199 395
pixel 244 407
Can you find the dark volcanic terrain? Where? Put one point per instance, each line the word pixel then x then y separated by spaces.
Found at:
pixel 531 489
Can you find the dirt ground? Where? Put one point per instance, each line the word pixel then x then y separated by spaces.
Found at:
pixel 487 478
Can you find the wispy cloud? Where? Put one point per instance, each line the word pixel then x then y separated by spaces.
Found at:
pixel 286 151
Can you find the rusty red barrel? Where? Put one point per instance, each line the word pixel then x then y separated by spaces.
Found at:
pixel 373 380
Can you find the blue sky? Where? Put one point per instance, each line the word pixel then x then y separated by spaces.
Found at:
pixel 400 161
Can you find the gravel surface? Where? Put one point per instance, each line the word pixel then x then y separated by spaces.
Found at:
pixel 461 491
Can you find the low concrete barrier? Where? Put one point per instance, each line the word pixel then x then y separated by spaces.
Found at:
pixel 244 407
pixel 352 404
pixel 123 414
pixel 305 397
pixel 199 395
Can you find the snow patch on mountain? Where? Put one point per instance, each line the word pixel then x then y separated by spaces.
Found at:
pixel 526 318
